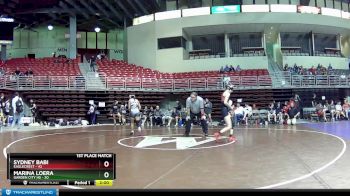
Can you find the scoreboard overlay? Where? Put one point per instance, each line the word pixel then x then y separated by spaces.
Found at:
pixel 80 169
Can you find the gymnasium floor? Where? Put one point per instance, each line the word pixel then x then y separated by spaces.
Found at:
pixel 311 155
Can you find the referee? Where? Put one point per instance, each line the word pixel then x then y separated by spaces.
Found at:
pixel 195 108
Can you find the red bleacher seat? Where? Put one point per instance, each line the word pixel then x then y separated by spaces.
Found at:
pixel 44 66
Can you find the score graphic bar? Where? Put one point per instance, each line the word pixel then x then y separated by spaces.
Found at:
pixel 60 168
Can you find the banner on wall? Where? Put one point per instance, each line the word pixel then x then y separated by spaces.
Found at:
pixel 196 11
pixel 168 15
pixel 118 51
pixel 226 9
pixel 68 35
pixel 345 15
pixel 283 8
pixel 143 19
pixel 330 12
pixel 255 8
pixel 308 9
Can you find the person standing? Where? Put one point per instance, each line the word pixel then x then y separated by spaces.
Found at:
pixel 92 63
pixel 18 110
pixel 208 108
pixel 33 110
pixel 92 114
pixel 7 110
pixel 2 108
pixel 195 108
pixel 116 113
pixel 226 111
pixel 135 114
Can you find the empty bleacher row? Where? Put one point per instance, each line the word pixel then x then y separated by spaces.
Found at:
pixel 44 66
pixel 116 68
pixel 58 104
pixel 75 104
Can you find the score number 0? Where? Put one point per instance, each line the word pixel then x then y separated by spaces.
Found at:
pixel 106 164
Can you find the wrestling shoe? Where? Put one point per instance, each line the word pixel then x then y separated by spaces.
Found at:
pixel 232 138
pixel 217 136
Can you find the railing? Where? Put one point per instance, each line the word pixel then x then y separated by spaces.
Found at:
pixel 185 84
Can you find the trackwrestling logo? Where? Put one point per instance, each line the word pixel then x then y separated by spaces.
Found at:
pixel 173 142
pixel 34 192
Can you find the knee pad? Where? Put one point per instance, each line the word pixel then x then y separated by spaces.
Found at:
pixel 289 122
pixel 294 121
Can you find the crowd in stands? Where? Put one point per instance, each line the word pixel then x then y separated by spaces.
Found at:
pixel 18 72
pixel 276 113
pixel 156 116
pixel 289 111
pixel 299 70
pixel 228 69
pixel 334 110
pixel 14 107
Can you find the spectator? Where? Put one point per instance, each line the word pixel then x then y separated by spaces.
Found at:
pixel 99 57
pixel 182 118
pixel 232 69
pixel 92 63
pixel 279 112
pixel 330 68
pixel 312 70
pixel 116 113
pixel 6 109
pixel 174 116
pixel 151 115
pixel 145 112
pixel 320 111
pixel 178 106
pixel 338 111
pixel 2 109
pixel 34 110
pixel 272 113
pixel 17 72
pixel 227 69
pixel 247 112
pixel 18 110
pixel 314 100
pixel 331 109
pixel 123 112
pixel 29 72
pixel 2 71
pixel 238 68
pixel 92 114
pixel 346 109
pixel 293 113
pixel 167 116
pixel 2 98
pixel 298 104
pixel 222 70
pixel 256 113
pixel 238 114
pixel 208 108
pixel 158 115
